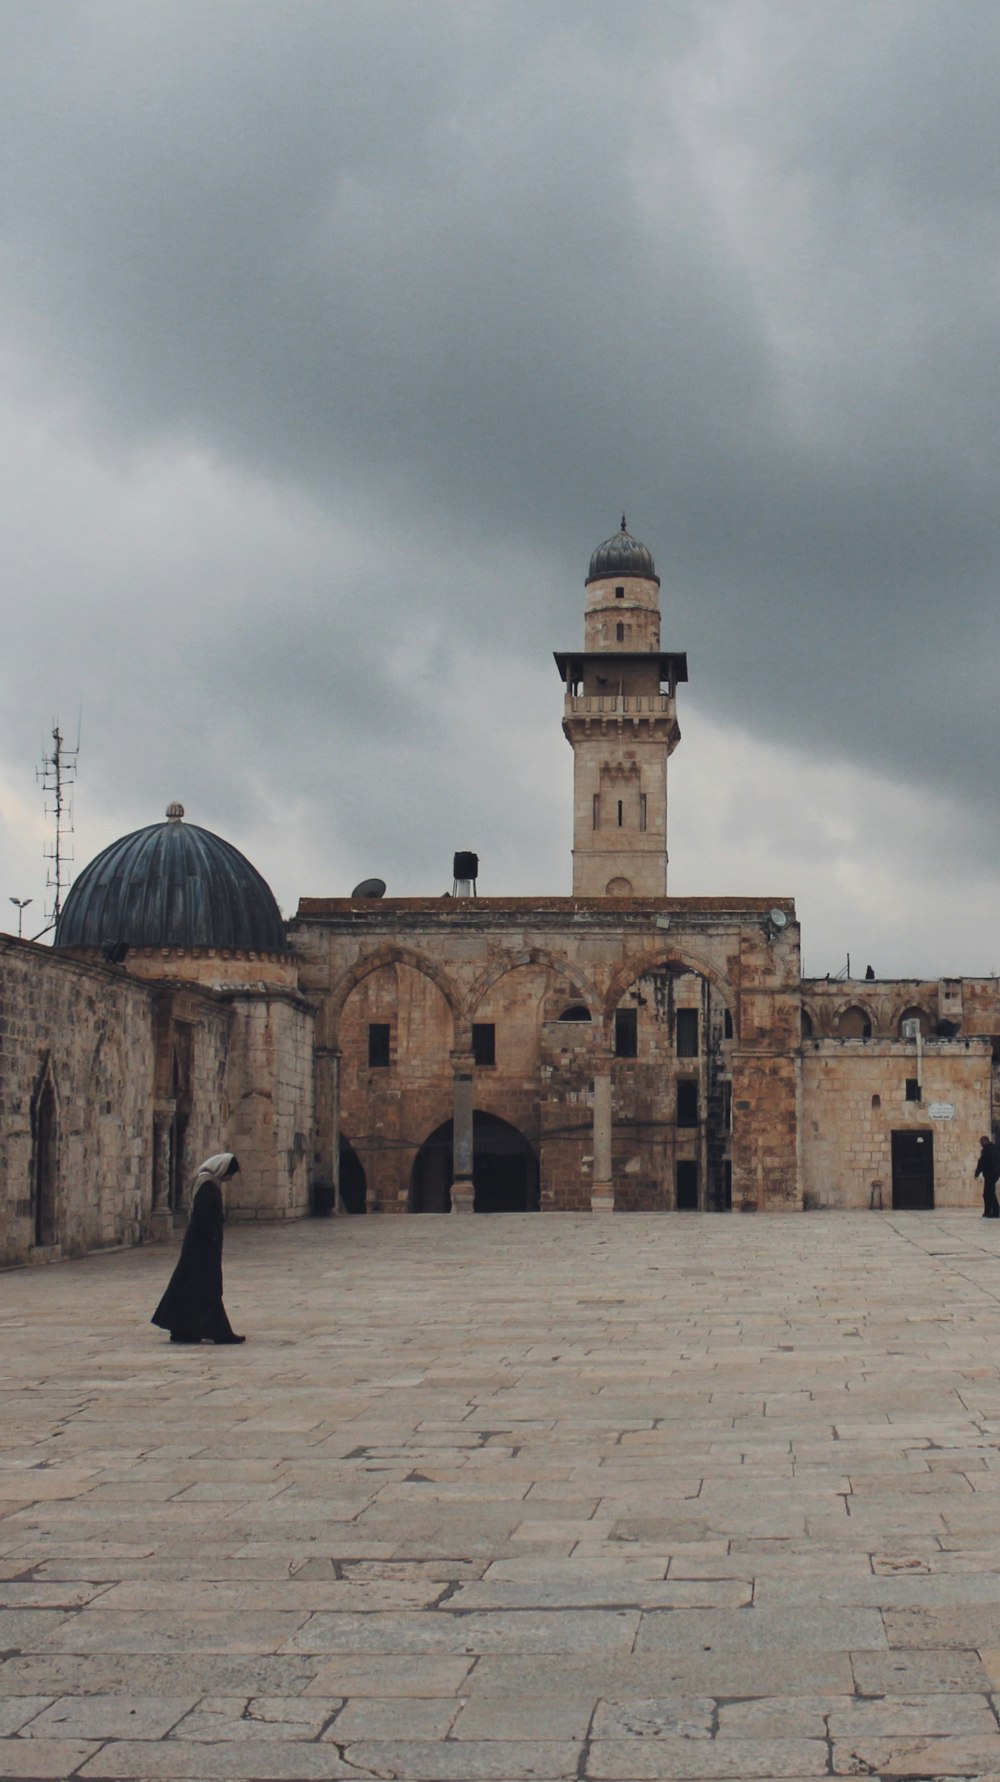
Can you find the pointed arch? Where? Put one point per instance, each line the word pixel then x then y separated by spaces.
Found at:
pixel 45 1157
pixel 677 960
pixel 852 1021
pixel 363 968
pixel 585 989
pixel 911 1011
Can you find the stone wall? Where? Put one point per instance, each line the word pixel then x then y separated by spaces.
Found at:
pixel 113 1089
pixel 217 968
pixel 854 1098
pixel 269 1083
pixel 191 1111
pixel 76 1092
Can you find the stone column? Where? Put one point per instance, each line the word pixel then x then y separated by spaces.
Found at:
pixel 462 1188
pixel 602 1188
pixel 162 1219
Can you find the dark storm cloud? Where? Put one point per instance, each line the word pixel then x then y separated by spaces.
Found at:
pixel 462 280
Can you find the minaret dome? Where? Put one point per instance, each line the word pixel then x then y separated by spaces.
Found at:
pixel 621 554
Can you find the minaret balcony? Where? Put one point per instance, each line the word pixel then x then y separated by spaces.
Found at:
pixel 617 705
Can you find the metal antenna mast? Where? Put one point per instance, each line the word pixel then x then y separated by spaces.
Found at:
pixel 56 776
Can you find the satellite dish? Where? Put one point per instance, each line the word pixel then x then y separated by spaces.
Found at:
pixel 369 888
pixel 777 918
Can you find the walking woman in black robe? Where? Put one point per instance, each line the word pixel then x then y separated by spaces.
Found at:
pixel 192 1308
pixel 989 1168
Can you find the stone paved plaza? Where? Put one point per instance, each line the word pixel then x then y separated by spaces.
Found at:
pixel 511 1498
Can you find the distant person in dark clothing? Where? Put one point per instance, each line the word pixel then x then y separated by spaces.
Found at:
pixel 989 1168
pixel 192 1308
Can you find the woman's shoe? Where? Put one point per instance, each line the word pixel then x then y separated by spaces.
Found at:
pixel 177 1336
pixel 231 1338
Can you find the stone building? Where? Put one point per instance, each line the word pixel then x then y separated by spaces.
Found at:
pixel 620 1048
pixel 616 1049
pixel 165 1021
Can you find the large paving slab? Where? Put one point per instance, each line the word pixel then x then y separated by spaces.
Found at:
pixel 513 1498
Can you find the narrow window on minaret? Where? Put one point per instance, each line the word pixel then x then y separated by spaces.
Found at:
pixel 619 633
pixel 597 810
pixel 642 810
pixel 619 813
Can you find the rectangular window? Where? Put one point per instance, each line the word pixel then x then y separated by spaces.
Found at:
pixel 642 810
pixel 484 1042
pixel 619 813
pixel 687 1033
pixel 378 1044
pixel 597 810
pixel 727 1107
pixel 687 1101
pixel 619 593
pixel 912 1089
pixel 626 1033
pixel 687 1186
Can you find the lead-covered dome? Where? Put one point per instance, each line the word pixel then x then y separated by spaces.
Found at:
pixel 622 555
pixel 172 885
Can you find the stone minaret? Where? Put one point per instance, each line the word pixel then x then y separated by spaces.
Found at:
pixel 619 715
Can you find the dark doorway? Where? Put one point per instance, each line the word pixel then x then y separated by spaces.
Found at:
pixel 504 1169
pixel 45 1165
pixel 180 1090
pixel 687 1185
pixel 430 1182
pixel 353 1182
pixel 912 1171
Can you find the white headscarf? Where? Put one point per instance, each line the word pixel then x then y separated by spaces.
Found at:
pixel 213 1169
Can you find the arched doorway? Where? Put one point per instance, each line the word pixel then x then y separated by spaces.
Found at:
pixel 504 1169
pixel 353 1181
pixel 45 1164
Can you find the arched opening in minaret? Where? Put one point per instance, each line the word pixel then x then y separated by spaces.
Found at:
pixel 353 1181
pixel 504 1169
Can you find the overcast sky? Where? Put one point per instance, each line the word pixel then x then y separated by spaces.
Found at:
pixel 337 333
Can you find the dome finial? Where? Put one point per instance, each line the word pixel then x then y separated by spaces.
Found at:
pixel 624 527
pixel 175 812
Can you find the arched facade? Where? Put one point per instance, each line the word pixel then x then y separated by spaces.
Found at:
pixel 441 1012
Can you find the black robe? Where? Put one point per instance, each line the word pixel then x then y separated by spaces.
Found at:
pixel 192 1305
pixel 989 1168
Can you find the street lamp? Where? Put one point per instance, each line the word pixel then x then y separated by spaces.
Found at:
pixel 22 904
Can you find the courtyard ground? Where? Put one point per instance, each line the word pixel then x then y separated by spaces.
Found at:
pixel 514 1497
